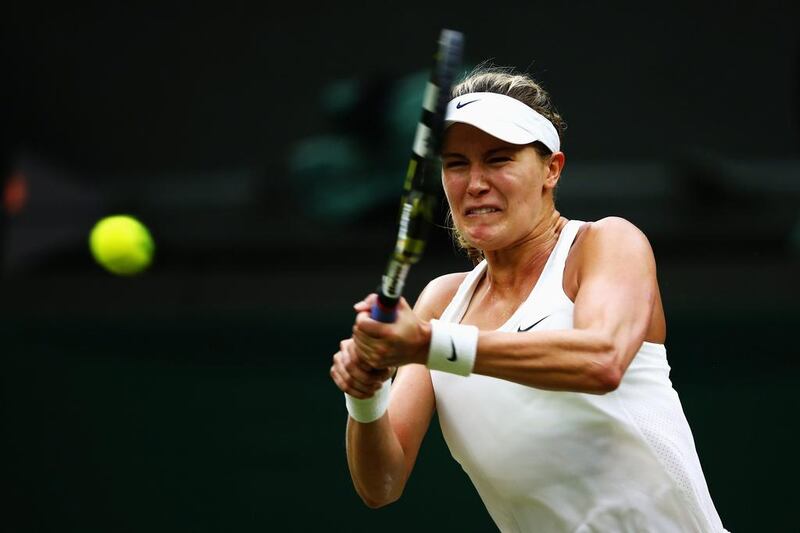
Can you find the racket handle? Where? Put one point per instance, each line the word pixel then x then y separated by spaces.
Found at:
pixel 384 310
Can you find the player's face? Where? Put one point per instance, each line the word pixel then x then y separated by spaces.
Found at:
pixel 496 190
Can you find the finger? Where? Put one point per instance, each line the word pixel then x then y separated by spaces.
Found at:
pixel 362 342
pixel 337 379
pixel 345 385
pixel 353 376
pixel 367 351
pixel 373 328
pixel 361 371
pixel 349 355
pixel 346 346
pixel 365 304
pixel 361 306
pixel 371 366
pixel 368 380
pixel 349 347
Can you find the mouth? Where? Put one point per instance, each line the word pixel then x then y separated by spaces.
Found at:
pixel 478 211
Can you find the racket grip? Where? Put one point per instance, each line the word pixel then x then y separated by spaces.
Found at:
pixel 384 312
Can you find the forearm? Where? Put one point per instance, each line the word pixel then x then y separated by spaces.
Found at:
pixel 376 461
pixel 578 360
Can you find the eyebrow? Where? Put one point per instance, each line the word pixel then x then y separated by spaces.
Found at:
pixel 488 152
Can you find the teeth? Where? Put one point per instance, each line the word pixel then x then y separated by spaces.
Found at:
pixel 482 211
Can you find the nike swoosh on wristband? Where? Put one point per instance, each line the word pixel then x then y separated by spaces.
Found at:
pixel 454 356
pixel 519 328
pixel 459 105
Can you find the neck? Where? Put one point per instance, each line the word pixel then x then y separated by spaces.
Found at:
pixel 514 270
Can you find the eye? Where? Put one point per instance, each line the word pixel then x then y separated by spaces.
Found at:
pixel 454 163
pixel 499 159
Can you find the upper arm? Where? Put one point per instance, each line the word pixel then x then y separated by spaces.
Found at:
pixel 412 401
pixel 617 287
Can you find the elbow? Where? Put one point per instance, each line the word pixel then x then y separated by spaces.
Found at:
pixel 381 495
pixel 376 503
pixel 608 379
pixel 607 371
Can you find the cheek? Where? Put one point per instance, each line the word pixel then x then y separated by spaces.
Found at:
pixel 526 206
pixel 525 202
pixel 453 190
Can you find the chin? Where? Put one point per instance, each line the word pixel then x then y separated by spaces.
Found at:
pixel 482 241
pixel 488 240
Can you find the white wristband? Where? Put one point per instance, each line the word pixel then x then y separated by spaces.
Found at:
pixel 453 347
pixel 370 409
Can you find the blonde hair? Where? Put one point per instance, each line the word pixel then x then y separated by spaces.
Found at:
pixel 486 78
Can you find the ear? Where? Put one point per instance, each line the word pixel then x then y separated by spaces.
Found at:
pixel 554 167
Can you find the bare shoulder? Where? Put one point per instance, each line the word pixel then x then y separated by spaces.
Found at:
pixel 437 294
pixel 609 244
pixel 611 234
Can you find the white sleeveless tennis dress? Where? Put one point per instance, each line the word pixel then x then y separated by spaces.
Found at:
pixel 546 461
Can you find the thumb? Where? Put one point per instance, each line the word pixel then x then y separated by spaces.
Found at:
pixel 366 304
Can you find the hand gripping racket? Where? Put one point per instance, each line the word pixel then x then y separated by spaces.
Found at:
pixel 423 179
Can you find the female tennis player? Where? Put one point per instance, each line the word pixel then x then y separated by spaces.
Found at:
pixel 546 362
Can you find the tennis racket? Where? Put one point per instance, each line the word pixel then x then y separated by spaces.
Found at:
pixel 423 178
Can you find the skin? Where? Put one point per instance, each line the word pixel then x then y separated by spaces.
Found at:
pixel 610 275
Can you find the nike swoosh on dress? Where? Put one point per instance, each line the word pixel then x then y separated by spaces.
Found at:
pixel 520 328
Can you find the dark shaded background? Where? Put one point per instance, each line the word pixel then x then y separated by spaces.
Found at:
pixel 264 146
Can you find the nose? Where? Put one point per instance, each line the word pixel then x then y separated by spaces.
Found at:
pixel 478 184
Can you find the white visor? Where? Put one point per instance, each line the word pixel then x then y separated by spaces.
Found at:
pixel 503 117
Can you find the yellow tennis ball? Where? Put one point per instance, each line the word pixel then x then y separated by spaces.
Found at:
pixel 122 245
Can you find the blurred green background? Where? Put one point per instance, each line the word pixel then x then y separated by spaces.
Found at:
pixel 265 150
